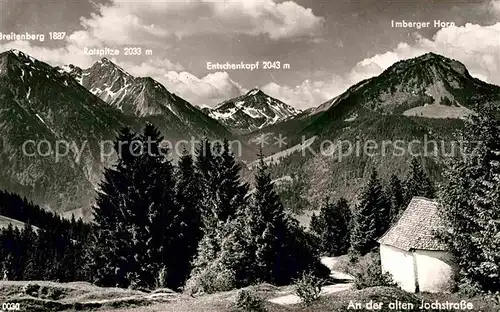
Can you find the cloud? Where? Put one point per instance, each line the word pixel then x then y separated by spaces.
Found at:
pixel 152 67
pixel 209 90
pixel 308 93
pixel 476 46
pixel 145 22
pixel 495 6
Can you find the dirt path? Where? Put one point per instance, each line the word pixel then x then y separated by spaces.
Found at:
pixel 329 262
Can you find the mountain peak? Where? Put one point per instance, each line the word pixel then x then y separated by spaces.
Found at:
pixel 106 65
pixel 251 111
pixel 255 91
pixel 19 55
pixel 431 58
pixel 105 60
pixel 429 85
pixel 15 52
pixel 430 55
pixel 20 65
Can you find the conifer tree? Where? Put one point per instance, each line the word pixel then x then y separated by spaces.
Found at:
pixel 49 253
pixel 148 228
pixel 188 198
pixel 207 174
pixel 8 268
pixel 268 225
pixel 371 218
pixel 157 189
pixel 66 261
pixel 470 205
pixel 112 249
pixel 223 193
pixel 232 190
pixel 260 244
pixel 9 265
pixel 29 242
pixel 395 196
pixel 331 227
pixel 83 250
pixel 282 251
pixel 206 168
pixel 418 182
pixel 345 210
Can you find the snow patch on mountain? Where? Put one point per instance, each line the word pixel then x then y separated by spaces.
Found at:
pixel 253 92
pixel 251 111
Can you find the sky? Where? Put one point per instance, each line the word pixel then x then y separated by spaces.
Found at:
pixel 323 46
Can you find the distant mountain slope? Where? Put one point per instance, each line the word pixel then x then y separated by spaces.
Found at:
pixel 41 107
pixel 44 107
pixel 430 86
pixel 146 98
pixel 417 99
pixel 251 111
pixel 5 222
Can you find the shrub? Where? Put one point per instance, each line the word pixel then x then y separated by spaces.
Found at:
pixel 468 288
pixel 367 272
pixel 308 287
pixel 247 301
pixel 210 280
pixel 161 280
pixel 345 263
pixel 42 291
pixel 31 289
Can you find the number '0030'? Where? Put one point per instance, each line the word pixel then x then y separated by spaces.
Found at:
pixel 11 306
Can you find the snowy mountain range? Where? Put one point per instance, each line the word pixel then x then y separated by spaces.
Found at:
pixel 146 98
pixel 430 94
pixel 251 111
pixel 83 108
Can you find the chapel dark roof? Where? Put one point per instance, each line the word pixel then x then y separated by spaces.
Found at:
pixel 416 228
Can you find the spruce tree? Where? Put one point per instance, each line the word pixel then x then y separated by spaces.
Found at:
pixel 395 196
pixel 268 225
pixel 282 252
pixel 223 197
pixel 140 227
pixel 206 169
pixel 418 182
pixel 9 244
pixel 207 175
pixel 112 247
pixel 470 205
pixel 260 244
pixel 156 186
pixel 371 218
pixel 232 190
pixel 188 198
pixel 66 261
pixel 30 249
pixel 345 210
pixel 331 227
pixel 8 267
